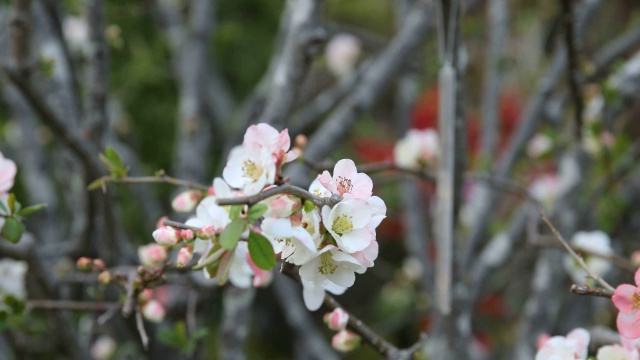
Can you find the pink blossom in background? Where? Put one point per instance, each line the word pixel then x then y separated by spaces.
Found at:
pixel 417 149
pixel 153 311
pixel 342 52
pixel 573 346
pixel 8 170
pixel 186 201
pixel 166 236
pixel 627 299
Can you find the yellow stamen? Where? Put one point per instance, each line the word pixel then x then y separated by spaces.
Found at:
pixel 251 170
pixel 342 224
pixel 327 265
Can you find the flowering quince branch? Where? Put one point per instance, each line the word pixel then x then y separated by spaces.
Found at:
pixel 381 345
pixel 573 254
pixel 591 291
pixel 161 178
pixel 138 283
pixel 71 305
pixel 289 189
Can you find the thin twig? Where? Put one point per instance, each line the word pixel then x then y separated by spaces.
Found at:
pixel 573 254
pixel 154 179
pixel 319 202
pixel 144 338
pixel 71 305
pixel 591 291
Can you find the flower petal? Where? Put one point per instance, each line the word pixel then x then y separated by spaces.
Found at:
pixel 622 298
pixel 626 326
pixel 355 240
pixel 313 295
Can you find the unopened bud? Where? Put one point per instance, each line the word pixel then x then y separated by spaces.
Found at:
pixel 211 191
pixel 337 319
pixel 153 311
pixel 187 235
pixel 145 295
pixel 152 255
pixel 345 341
pixel 84 264
pixel 98 265
pixel 300 141
pixel 186 201
pixel 166 236
pixel 104 278
pixel 184 256
pixel 206 233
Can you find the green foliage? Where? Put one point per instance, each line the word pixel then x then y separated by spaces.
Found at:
pixel 261 251
pixel 231 234
pixel 13 230
pixel 234 211
pixel 256 212
pixel 113 162
pixel 178 338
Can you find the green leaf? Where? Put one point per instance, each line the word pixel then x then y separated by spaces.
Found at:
pixel 231 234
pixel 31 209
pixel 225 265
pixel 4 208
pixel 11 201
pixel 211 258
pixel 113 157
pixel 308 206
pixel 13 230
pixel 234 211
pixel 169 337
pixel 256 212
pixel 17 206
pixel 261 251
pixel 95 184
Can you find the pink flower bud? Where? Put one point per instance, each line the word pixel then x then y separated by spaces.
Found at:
pixel 145 296
pixel 206 233
pixel 337 319
pixel 282 206
pixel 98 265
pixel 8 172
pixel 184 256
pixel 186 201
pixel 345 341
pixel 187 235
pixel 152 254
pixel 300 141
pixel 84 264
pixel 166 236
pixel 153 311
pixel 103 348
pixel 211 191
pixel 104 278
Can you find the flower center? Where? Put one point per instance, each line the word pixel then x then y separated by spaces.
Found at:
pixel 327 265
pixel 251 170
pixel 309 227
pixel 344 185
pixel 342 224
pixel 635 299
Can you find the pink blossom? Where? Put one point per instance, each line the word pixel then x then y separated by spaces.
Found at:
pixel 342 53
pixel 166 236
pixel 104 278
pixel 573 346
pixel 627 299
pixel 628 351
pixel 103 348
pixel 186 201
pixel 266 136
pixel 347 181
pixel 281 206
pixel 8 170
pixel 345 341
pixel 417 149
pixel 152 254
pixel 153 311
pixel 337 319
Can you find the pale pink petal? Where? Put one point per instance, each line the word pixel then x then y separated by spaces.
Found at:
pixel 637 277
pixel 622 298
pixel 313 295
pixel 355 240
pixel 342 278
pixel 581 338
pixel 326 181
pixel 627 325
pixel 357 210
pixel 277 227
pixel 345 168
pixel 362 187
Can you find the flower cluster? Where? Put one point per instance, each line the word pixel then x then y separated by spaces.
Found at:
pixel 240 243
pixel 344 340
pixel 576 345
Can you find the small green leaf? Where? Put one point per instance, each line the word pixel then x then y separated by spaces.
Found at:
pixel 308 206
pixel 4 208
pixel 225 264
pixel 11 201
pixel 256 212
pixel 13 230
pixel 95 184
pixel 234 211
pixel 231 234
pixel 213 257
pixel 31 209
pixel 168 337
pixel 113 157
pixel 261 251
